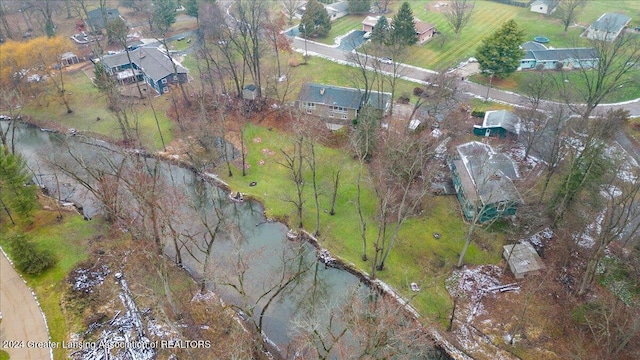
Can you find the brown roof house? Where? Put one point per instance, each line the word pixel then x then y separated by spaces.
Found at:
pixel 424 31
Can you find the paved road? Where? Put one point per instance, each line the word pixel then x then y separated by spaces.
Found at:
pixel 22 319
pixel 415 74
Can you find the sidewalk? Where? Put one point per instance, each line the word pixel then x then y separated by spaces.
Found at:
pixel 22 320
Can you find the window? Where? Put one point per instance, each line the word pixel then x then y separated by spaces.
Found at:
pixel 165 89
pixel 175 77
pixel 164 81
pixel 501 206
pixel 308 105
pixel 344 116
pixel 338 109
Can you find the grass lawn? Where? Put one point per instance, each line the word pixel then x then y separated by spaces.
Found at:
pixel 183 44
pixel 516 83
pixel 340 27
pixel 88 105
pixel 417 256
pixel 68 241
pixel 4 355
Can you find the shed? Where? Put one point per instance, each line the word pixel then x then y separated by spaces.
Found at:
pixel 523 259
pixel 498 122
pixel 544 6
pixel 69 58
pixel 250 92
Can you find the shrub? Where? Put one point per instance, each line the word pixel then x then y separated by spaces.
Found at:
pixel 418 91
pixel 27 257
pixel 479 114
pixel 403 99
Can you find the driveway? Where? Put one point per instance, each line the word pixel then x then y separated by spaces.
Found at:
pixel 22 319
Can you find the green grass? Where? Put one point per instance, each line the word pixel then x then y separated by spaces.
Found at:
pixel 88 104
pixel 341 27
pixel 4 355
pixel 516 82
pixel 182 45
pixel 417 255
pixel 68 241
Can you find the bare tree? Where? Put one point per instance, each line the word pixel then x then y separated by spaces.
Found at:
pixel 614 70
pixel 458 14
pixel 293 162
pixel 290 7
pixel 568 11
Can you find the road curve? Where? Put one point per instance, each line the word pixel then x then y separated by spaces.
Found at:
pixel 22 319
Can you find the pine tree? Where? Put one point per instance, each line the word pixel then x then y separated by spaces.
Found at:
pixel 17 200
pixel 499 54
pixel 404 29
pixel 380 32
pixel 359 6
pixel 315 21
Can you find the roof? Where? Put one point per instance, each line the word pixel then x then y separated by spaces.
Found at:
pixel 340 96
pixel 370 20
pixel 68 55
pixel 561 54
pixel 532 45
pixel 421 26
pixel 490 172
pixel 250 87
pixel 610 22
pixel 151 60
pixel 550 3
pixel 522 258
pixel 340 6
pixel 503 119
pixel 95 18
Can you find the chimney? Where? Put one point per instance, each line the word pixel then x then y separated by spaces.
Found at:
pixel 321 91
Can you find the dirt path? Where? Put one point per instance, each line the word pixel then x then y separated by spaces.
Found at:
pixel 22 320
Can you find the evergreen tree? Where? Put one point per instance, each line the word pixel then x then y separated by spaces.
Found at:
pixel 27 257
pixel 164 14
pixel 403 28
pixel 315 21
pixel 499 54
pixel 359 6
pixel 191 8
pixel 381 31
pixel 17 200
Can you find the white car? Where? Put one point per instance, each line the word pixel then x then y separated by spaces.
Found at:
pixel 386 60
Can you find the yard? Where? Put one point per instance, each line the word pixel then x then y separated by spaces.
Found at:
pixel 486 18
pixel 90 112
pixel 417 256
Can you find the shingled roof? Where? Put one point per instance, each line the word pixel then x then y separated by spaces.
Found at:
pixel 152 61
pixel 341 96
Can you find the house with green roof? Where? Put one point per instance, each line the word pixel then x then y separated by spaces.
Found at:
pixel 483 181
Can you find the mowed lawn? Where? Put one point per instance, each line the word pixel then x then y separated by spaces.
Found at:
pixel 416 257
pixel 487 17
pixel 90 113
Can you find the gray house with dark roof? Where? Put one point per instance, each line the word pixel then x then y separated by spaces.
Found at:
pixel 483 182
pixel 536 54
pixel 498 123
pixel 149 64
pixel 336 104
pixel 608 27
pixel 96 18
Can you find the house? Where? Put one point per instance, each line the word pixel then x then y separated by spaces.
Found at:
pixel 68 59
pixel 537 55
pixel 424 31
pixel 337 10
pixel 523 259
pixel 370 21
pixel 483 182
pixel 338 105
pixel 96 18
pixel 150 64
pixel 250 92
pixel 545 7
pixel 607 27
pixel 498 123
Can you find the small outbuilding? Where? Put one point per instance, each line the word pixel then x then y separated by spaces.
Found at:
pixel 250 92
pixel 68 59
pixel 523 259
pixel 545 7
pixel 498 123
